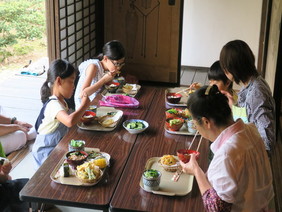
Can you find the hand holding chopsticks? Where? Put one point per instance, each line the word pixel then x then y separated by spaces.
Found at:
pixel 193 86
pixel 179 171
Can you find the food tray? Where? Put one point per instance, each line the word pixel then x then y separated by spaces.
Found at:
pixel 95 126
pixel 183 100
pixel 72 180
pixel 169 187
pixel 183 130
pixel 119 91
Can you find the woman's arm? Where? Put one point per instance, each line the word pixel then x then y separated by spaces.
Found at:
pixel 192 167
pixel 5 120
pixel 211 200
pixel 10 128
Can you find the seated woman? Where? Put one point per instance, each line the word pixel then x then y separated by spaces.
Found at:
pixel 239 176
pixel 14 133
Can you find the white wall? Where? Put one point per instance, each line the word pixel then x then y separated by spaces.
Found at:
pixel 208 25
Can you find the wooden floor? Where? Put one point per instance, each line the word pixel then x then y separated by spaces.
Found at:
pixel 20 97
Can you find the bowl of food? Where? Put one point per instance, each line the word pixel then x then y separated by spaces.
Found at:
pixel 172 113
pixel 75 158
pixel 151 179
pixel 121 81
pixel 112 87
pixel 173 98
pixel 127 89
pixel 174 124
pixel 185 154
pixel 135 126
pixel 169 163
pixel 88 117
pixel 88 172
pixel 76 145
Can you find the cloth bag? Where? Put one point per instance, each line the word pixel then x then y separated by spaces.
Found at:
pixel 119 101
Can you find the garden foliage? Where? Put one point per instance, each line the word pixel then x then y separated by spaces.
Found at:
pixel 20 20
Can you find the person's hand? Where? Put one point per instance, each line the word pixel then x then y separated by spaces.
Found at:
pixel 24 124
pixel 191 166
pixel 230 98
pixel 22 128
pixel 85 99
pixel 6 168
pixel 108 77
pixel 195 86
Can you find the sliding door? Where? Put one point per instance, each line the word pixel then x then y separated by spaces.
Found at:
pixel 151 33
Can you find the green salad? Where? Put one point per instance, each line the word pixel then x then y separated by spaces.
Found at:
pixel 151 173
pixel 175 121
pixel 172 111
pixel 77 143
pixel 135 125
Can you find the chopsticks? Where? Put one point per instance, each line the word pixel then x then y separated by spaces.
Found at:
pixel 194 139
pixel 186 89
pixel 179 171
pixel 199 144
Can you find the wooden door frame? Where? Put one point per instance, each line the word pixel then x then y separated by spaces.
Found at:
pixel 264 36
pixel 52 31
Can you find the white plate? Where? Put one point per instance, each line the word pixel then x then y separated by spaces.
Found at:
pixel 102 111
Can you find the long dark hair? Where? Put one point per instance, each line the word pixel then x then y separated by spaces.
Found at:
pixel 209 102
pixel 237 58
pixel 58 68
pixel 114 50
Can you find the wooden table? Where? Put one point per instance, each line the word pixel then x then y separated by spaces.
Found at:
pixel 120 187
pixel 156 142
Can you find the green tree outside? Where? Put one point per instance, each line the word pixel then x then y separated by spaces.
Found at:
pixel 22 22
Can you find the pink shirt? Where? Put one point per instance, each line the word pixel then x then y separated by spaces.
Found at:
pixel 240 171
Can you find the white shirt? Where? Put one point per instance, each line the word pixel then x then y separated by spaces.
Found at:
pixel 82 70
pixel 240 171
pixel 50 123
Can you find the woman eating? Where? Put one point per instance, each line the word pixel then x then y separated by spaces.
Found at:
pixel 239 176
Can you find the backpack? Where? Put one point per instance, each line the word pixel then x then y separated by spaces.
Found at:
pixel 41 115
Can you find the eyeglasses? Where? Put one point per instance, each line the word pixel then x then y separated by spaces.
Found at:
pixel 118 65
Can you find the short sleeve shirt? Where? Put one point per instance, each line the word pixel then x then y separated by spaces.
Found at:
pixel 50 122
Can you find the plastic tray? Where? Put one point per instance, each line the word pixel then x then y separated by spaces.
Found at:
pixel 183 100
pixel 72 180
pixel 101 111
pixel 169 187
pixel 183 130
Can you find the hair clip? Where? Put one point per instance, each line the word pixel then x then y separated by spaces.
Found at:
pixel 208 90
